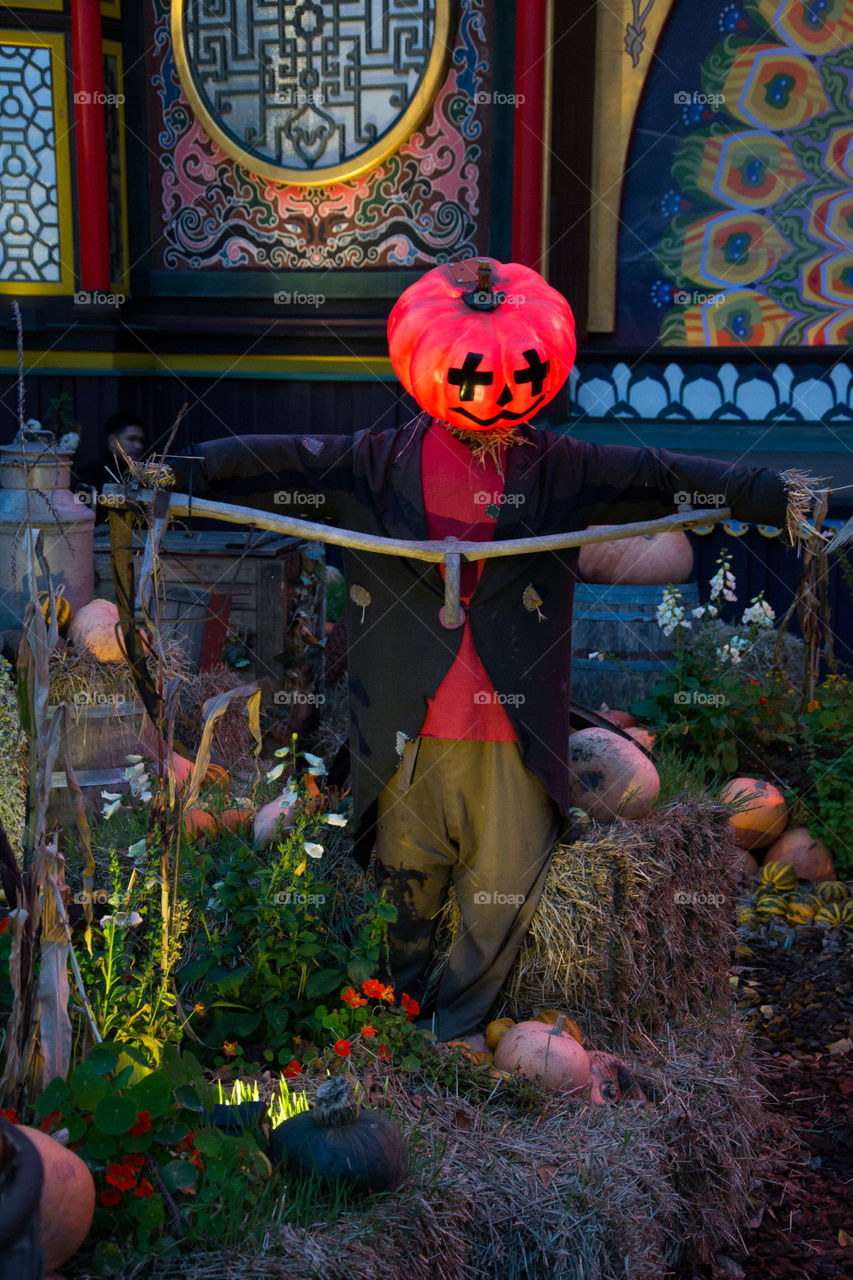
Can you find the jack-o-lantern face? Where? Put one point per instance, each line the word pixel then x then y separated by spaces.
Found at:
pixel 480 344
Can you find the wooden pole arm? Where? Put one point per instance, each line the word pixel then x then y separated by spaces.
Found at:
pixel 450 552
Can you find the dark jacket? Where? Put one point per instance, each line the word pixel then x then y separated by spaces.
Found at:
pixel 398 650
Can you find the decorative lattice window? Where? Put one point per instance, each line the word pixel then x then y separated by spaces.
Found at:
pixel 36 251
pixel 311 92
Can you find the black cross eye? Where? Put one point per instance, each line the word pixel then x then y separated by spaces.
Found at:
pixel 467 379
pixel 535 373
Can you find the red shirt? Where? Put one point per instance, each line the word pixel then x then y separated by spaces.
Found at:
pixel 462 498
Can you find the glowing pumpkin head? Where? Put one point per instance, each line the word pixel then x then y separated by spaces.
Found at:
pixel 482 344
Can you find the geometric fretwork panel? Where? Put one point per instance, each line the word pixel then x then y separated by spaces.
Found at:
pixel 29 198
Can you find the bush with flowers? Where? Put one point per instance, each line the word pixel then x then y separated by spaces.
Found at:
pixel 707 706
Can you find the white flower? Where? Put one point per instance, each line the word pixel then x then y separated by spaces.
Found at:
pixel 313 850
pixel 109 809
pixel 282 751
pixel 137 850
pixel 759 613
pixel 134 759
pixel 122 919
pixel 276 771
pixel 595 655
pixel 337 819
pixel 316 766
pixel 69 442
pixel 112 795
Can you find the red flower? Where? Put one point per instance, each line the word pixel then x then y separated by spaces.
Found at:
pixel 134 1160
pixel 187 1143
pixel 197 1161
pixel 230 1048
pixel 368 1030
pixel 352 998
pixel 144 1189
pixel 762 702
pixel 384 1051
pixel 342 1048
pixel 377 990
pixel 49 1121
pixel 292 1069
pixel 11 1115
pixel 757 683
pixel 411 1006
pixel 109 1197
pixel 142 1125
pixel 118 1175
pixel 4 925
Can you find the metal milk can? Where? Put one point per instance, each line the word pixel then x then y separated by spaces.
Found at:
pixel 35 495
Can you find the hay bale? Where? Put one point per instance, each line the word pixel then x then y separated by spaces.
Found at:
pixel 635 926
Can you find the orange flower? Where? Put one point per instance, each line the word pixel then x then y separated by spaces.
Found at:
pixel 374 988
pixel 142 1125
pixel 757 683
pixel 368 1030
pixel 109 1197
pixel 144 1189
pixel 198 1007
pixel 411 1006
pixel 342 1048
pixel 230 1048
pixel 384 1051
pixel 813 706
pixel 352 998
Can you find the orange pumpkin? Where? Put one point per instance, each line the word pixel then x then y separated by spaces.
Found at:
pixel 549 1056
pixel 650 560
pixel 482 344
pixel 237 817
pixel 610 775
pixel 641 736
pixel 552 1016
pixel 495 1030
pixel 94 628
pixel 766 816
pixel 195 822
pixel 810 858
pixel 623 719
pixel 67 1202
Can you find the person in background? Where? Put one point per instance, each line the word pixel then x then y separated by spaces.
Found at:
pixel 125 430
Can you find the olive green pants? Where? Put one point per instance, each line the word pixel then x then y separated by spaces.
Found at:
pixel 473 814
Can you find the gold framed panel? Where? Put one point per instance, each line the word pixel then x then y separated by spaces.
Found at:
pixel 414 114
pixel 59 61
pixel 114 50
pixel 110 8
pixel 53 6
pixel 627 35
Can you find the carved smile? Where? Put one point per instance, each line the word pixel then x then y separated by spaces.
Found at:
pixel 504 413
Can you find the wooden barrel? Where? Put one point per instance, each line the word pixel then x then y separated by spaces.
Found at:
pixel 620 622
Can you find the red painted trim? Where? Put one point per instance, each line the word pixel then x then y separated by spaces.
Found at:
pixel 528 146
pixel 91 140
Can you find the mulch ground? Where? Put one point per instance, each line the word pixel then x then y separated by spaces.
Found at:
pixel 795 987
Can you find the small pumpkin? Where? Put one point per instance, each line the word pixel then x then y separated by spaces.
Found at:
pixel 196 822
pixel 799 912
pixel 495 1030
pixel 552 1016
pixel 780 875
pixel 610 775
pixel 482 1058
pixel 67 1203
pixel 765 817
pixel 623 719
pixel 847 913
pixel 830 914
pixel 770 905
pixel 643 737
pixel 238 817
pixel 612 1080
pixel 94 628
pixel 549 1056
pixel 809 857
pixel 832 891
pixel 481 344
pixel 335 1140
pixel 746 917
pixel 63 609
pixel 268 818
pixel 652 559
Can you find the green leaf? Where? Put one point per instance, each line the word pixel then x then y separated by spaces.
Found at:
pixel 115 1115
pixel 152 1094
pixel 229 981
pixel 188 1097
pixel 179 1175
pixel 142 1143
pixel 322 982
pixel 150 1212
pixel 76 1126
pixel 210 1142
pixel 100 1146
pixel 359 970
pixel 385 911
pixel 196 969
pixel 104 1057
pixel 216 1170
pixel 172 1134
pixel 88 1086
pixel 53 1097
pixel 175 1068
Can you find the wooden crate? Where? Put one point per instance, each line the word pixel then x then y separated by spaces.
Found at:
pixel 262 575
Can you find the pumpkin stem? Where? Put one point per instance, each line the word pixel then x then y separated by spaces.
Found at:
pixel 481 296
pixel 335 1104
pixel 559 1025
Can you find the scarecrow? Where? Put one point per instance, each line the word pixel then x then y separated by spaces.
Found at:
pixel 459 733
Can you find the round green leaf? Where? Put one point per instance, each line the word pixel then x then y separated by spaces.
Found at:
pixel 179 1175
pixel 115 1115
pixel 152 1094
pixel 53 1097
pixel 88 1086
pixel 149 1212
pixel 100 1146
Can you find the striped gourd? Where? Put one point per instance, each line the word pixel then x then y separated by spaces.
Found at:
pixel 832 891
pixel 770 905
pixel 746 917
pixel 780 875
pixel 63 609
pixel 798 912
pixel 847 913
pixel 831 914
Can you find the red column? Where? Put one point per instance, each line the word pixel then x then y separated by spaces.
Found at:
pixel 91 139
pixel 531 33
